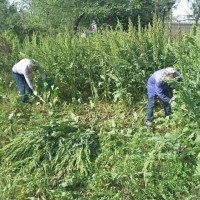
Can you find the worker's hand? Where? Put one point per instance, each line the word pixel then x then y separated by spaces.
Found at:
pixel 35 92
pixel 46 86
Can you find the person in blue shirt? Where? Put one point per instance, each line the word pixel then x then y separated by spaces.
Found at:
pixel 158 86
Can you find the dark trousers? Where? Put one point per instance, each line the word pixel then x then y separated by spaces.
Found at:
pixel 151 105
pixel 22 86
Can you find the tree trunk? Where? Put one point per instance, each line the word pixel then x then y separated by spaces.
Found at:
pixel 76 23
pixel 196 22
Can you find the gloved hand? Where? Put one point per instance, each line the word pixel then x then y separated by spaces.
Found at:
pixel 45 85
pixel 35 92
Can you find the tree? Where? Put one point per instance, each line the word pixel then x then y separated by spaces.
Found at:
pixel 163 8
pixel 3 12
pixel 40 16
pixel 10 19
pixel 78 13
pixel 196 12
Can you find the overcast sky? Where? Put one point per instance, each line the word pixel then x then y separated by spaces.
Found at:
pixel 182 9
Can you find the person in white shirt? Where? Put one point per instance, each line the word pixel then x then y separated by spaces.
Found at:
pixel 21 73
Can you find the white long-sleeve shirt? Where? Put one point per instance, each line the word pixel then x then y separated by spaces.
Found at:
pixel 25 67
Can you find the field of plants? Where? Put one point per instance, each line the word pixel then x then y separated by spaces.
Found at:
pixel 89 140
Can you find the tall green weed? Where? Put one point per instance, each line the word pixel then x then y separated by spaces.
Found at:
pixel 109 65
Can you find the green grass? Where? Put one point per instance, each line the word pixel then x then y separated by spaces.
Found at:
pixel 89 140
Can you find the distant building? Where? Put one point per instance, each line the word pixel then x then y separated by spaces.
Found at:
pixel 182 24
pixel 185 18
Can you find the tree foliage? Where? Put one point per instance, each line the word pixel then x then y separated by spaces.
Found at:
pixel 10 17
pixel 40 16
pixel 3 13
pixel 76 13
pixel 196 12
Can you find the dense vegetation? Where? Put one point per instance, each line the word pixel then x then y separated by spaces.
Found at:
pixel 35 16
pixel 88 141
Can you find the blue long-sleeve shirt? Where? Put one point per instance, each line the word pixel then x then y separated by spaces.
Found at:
pixel 156 86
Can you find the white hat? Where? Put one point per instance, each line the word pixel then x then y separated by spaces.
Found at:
pixel 169 73
pixel 170 70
